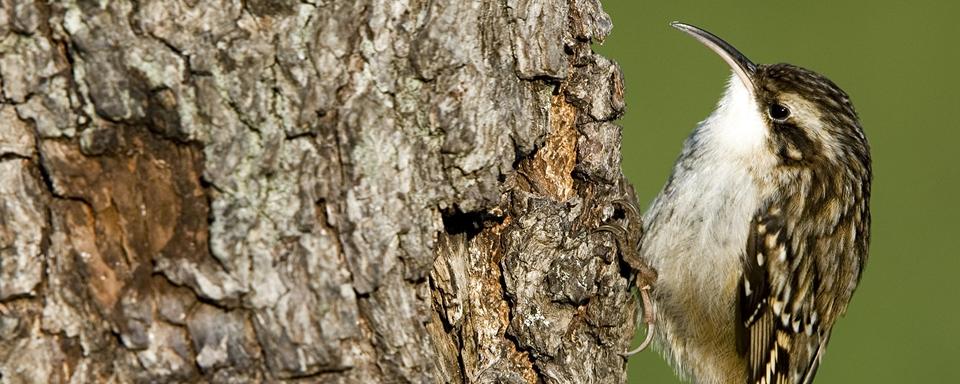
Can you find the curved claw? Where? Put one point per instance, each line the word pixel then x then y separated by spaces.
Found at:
pixel 627 240
pixel 632 218
pixel 626 205
pixel 621 236
pixel 616 230
pixel 648 318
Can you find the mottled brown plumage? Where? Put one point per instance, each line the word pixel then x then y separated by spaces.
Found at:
pixel 806 248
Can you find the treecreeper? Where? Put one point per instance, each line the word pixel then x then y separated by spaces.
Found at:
pixel 759 238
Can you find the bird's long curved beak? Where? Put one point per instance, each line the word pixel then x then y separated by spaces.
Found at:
pixel 741 65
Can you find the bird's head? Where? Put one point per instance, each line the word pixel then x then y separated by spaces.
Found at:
pixel 795 116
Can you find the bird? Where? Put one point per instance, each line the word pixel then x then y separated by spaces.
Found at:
pixel 759 238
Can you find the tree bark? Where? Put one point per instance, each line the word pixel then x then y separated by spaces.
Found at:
pixel 336 191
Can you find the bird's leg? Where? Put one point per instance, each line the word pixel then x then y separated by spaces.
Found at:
pixel 628 241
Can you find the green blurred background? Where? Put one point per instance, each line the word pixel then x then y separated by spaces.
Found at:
pixel 899 61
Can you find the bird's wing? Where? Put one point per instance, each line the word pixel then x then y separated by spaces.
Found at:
pixel 781 336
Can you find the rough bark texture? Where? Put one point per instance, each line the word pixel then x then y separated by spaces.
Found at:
pixel 335 191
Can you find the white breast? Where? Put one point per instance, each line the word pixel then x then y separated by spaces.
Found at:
pixel 696 229
pixel 703 214
pixel 699 230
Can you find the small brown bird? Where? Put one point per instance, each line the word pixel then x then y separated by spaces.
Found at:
pixel 760 236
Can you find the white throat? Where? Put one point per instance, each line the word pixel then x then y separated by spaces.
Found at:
pixel 736 127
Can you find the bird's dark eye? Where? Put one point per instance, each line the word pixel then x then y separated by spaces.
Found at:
pixel 778 112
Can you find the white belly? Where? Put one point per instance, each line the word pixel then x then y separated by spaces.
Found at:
pixel 695 236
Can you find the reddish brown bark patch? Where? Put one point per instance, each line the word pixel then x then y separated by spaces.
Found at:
pixel 143 202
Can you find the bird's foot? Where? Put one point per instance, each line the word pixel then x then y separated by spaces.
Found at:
pixel 628 241
pixel 627 237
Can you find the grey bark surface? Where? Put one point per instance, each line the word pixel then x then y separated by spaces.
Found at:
pixel 330 191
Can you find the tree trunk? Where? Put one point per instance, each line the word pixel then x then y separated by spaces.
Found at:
pixel 340 191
